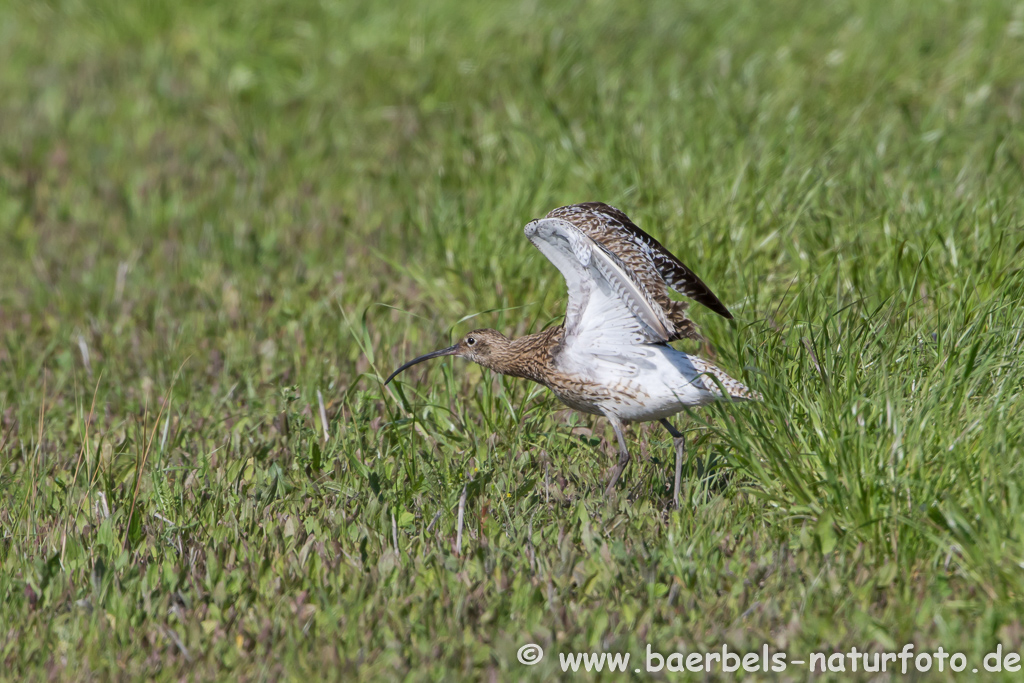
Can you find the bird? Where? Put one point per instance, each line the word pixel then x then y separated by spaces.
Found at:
pixel 611 356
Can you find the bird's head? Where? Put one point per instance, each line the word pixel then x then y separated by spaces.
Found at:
pixel 485 347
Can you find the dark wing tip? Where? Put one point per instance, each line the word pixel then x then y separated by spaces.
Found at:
pixel 709 300
pixel 686 282
pixel 678 276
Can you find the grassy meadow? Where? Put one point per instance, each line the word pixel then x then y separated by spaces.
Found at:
pixel 222 224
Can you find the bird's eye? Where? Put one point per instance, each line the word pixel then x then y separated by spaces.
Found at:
pixel 470 341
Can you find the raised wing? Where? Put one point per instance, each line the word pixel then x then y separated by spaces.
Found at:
pixel 653 264
pixel 609 309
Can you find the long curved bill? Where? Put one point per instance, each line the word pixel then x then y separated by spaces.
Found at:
pixel 450 351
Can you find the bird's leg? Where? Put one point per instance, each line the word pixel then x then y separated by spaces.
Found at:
pixel 679 440
pixel 623 454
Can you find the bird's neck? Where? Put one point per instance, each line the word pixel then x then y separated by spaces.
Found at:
pixel 530 356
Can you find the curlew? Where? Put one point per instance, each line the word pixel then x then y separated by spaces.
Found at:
pixel 611 356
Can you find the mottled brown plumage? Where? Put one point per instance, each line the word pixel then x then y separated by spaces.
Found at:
pixel 530 357
pixel 654 266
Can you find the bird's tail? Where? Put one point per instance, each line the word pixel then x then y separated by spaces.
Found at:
pixel 734 388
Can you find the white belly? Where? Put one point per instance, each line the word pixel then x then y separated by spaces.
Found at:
pixel 642 383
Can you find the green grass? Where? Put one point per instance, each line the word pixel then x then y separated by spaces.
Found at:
pixel 230 207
